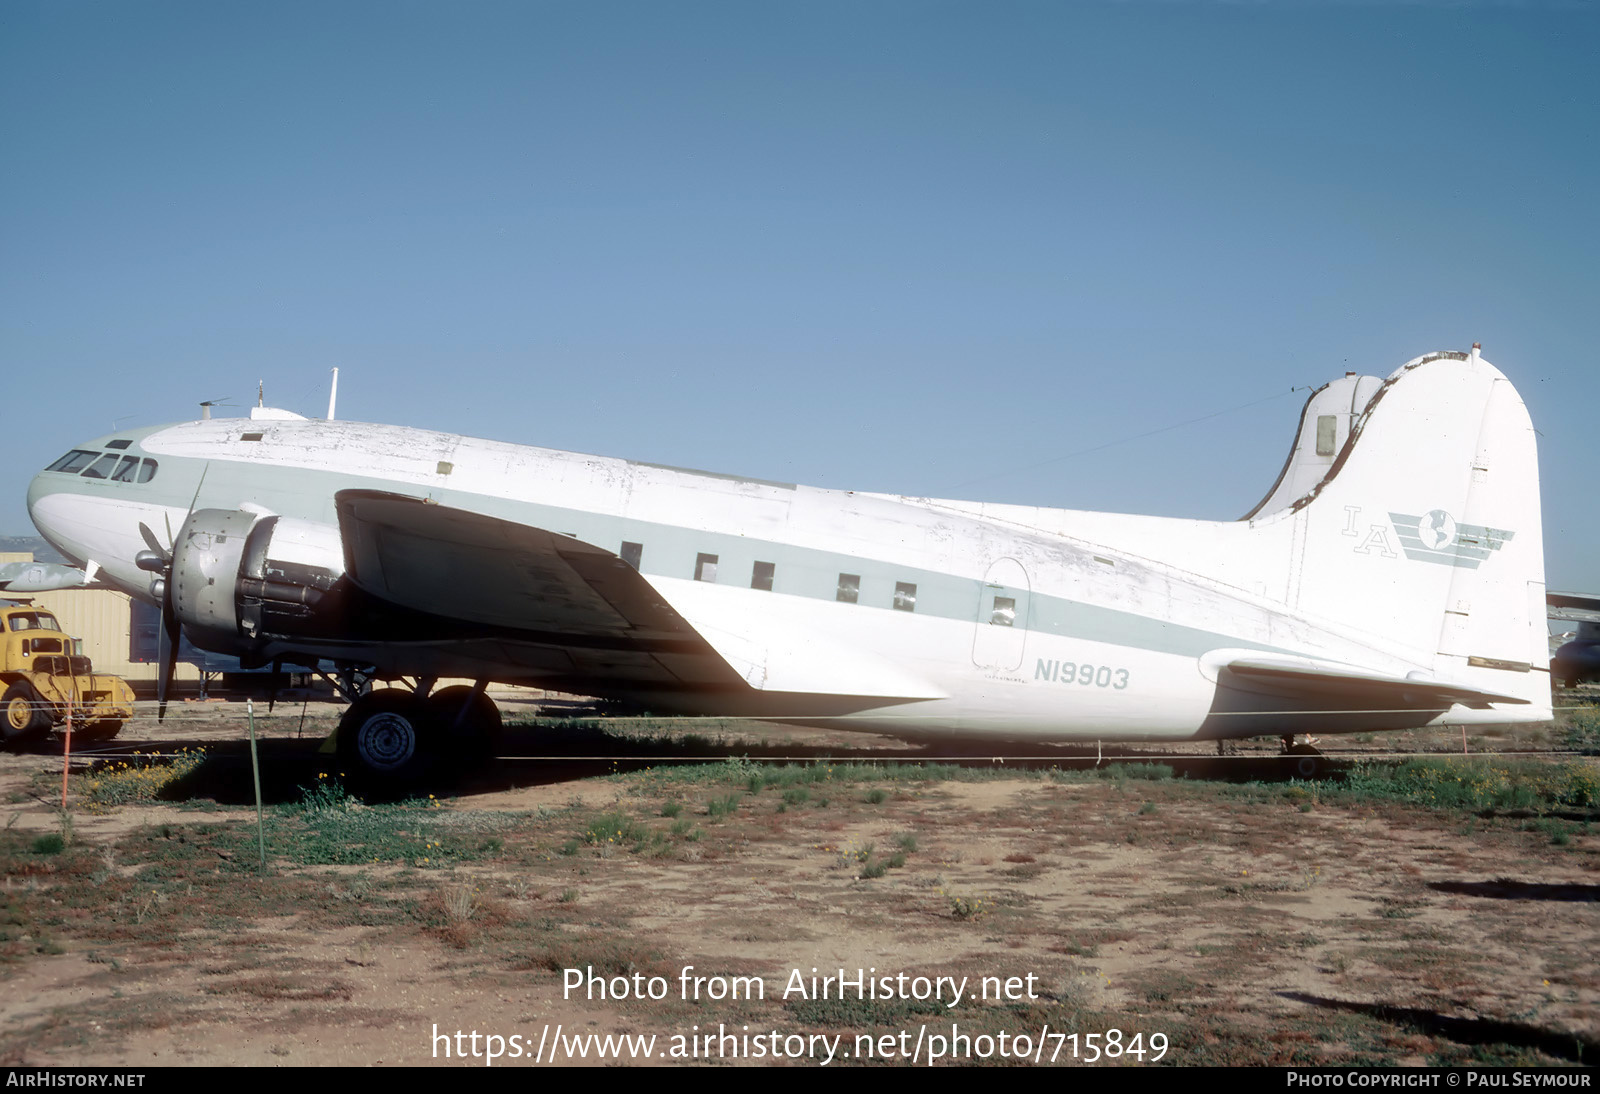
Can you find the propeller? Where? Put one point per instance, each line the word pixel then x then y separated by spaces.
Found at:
pixel 158 560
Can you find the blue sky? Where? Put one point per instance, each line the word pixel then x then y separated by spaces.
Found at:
pixel 931 248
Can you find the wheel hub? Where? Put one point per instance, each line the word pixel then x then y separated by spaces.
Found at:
pixel 387 741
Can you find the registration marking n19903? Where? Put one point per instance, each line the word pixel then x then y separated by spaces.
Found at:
pixel 1081 673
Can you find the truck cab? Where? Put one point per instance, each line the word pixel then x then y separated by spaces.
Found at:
pixel 45 679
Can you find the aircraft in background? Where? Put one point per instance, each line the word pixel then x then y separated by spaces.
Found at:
pixel 39 577
pixel 1577 661
pixel 1393 577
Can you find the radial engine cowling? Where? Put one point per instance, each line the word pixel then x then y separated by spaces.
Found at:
pixel 237 574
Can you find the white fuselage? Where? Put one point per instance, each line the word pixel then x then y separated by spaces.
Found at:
pixel 964 618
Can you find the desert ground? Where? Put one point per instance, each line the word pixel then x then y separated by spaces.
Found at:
pixel 658 892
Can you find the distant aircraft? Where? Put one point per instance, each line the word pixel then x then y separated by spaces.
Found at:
pixel 1578 661
pixel 1394 577
pixel 39 577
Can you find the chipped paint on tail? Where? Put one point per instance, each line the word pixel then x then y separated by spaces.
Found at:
pixel 1426 532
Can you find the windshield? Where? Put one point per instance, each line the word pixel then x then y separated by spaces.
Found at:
pixel 105 465
pixel 34 621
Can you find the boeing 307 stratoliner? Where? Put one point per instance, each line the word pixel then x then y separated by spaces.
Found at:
pixel 1393 577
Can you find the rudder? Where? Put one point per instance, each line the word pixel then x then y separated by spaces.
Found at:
pixel 1426 533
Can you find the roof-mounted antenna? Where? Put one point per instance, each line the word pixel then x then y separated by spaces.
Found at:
pixel 333 393
pixel 261 393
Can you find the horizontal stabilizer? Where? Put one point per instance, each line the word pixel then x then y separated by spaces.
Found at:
pixel 1574 607
pixel 1352 687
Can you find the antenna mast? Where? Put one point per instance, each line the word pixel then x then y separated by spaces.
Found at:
pixel 333 393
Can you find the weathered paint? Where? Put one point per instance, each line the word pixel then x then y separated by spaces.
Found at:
pixel 1132 603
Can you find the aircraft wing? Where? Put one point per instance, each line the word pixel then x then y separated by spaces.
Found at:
pixel 528 583
pixel 1304 678
pixel 1576 607
pixel 39 577
pixel 483 570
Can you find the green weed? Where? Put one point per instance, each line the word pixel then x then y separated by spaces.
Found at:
pixel 139 778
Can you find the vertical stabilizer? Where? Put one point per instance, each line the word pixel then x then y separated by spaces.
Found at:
pixel 1426 532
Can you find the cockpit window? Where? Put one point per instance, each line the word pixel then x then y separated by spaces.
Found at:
pixel 73 461
pixel 105 465
pixel 101 468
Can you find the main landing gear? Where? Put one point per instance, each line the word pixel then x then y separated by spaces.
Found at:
pixel 1305 757
pixel 391 738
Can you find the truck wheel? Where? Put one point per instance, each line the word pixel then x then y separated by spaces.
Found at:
pixel 102 731
pixel 22 713
pixel 386 740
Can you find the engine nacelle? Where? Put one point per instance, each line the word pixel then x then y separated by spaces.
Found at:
pixel 241 575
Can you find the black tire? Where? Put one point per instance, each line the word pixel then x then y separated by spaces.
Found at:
pixel 473 737
pixel 1305 761
pixel 387 741
pixel 23 714
pixel 102 731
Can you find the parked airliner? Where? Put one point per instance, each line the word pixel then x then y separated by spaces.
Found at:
pixel 1393 577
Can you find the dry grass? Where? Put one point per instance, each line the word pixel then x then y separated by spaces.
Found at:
pixel 1367 931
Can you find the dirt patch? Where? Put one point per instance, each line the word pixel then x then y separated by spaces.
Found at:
pixel 1234 922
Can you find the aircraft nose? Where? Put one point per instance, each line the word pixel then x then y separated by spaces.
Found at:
pixel 68 521
pixel 38 489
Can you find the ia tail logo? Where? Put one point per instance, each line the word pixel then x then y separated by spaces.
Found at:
pixel 1436 537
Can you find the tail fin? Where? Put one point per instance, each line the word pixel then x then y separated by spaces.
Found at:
pixel 1426 530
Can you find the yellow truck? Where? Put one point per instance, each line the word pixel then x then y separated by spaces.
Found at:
pixel 42 674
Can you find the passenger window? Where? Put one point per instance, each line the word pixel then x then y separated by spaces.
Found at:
pixel 905 596
pixel 849 588
pixel 1005 611
pixel 632 553
pixel 705 568
pixel 147 470
pixel 101 468
pixel 761 576
pixel 125 469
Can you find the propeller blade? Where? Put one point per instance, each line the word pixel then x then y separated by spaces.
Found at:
pixel 171 626
pixel 153 543
pixel 171 634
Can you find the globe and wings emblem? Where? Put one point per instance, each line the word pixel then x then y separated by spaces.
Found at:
pixel 1435 536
